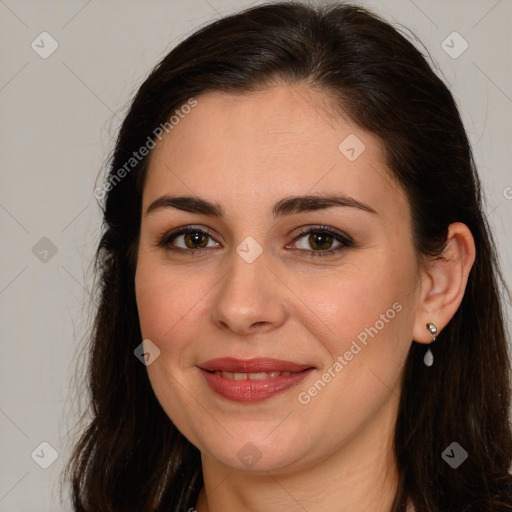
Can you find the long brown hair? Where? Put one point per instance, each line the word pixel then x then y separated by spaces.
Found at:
pixel 130 455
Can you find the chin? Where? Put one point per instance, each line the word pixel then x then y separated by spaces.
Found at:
pixel 258 452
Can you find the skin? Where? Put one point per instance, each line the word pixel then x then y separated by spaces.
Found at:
pixel 246 152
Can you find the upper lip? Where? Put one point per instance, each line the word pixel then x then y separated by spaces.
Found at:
pixel 262 364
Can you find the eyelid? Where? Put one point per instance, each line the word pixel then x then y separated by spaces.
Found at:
pixel 165 239
pixel 318 228
pixel 344 239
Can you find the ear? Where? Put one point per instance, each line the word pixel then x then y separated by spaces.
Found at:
pixel 444 282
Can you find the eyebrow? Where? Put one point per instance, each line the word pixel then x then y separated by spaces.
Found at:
pixel 285 206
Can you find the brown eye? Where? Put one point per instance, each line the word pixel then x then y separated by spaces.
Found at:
pixel 188 240
pixel 322 241
pixel 195 240
pixel 318 241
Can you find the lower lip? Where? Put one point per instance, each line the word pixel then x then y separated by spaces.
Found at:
pixel 252 390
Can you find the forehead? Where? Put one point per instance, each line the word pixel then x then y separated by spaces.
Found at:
pixel 283 140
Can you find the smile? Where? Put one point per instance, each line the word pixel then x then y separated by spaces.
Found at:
pixel 252 380
pixel 251 376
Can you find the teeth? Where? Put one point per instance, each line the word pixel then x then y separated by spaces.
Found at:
pixel 251 376
pixel 257 376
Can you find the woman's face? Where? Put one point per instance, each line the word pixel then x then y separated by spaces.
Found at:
pixel 247 280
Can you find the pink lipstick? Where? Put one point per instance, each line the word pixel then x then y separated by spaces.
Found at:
pixel 252 380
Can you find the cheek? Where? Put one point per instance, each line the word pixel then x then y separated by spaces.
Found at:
pixel 369 313
pixel 165 308
pixel 153 299
pixel 162 298
pixel 172 311
pixel 370 319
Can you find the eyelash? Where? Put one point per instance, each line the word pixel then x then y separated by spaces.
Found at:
pixel 345 240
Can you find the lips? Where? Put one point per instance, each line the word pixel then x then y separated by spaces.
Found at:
pixel 251 376
pixel 252 380
pixel 230 364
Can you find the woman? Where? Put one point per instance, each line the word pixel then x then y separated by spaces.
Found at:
pixel 299 296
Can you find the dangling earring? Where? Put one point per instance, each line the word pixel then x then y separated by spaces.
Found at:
pixel 428 359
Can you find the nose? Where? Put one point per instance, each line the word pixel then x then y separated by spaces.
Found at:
pixel 249 298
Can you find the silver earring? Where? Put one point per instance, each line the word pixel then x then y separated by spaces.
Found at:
pixel 428 359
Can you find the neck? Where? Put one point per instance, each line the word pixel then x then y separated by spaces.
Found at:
pixel 360 475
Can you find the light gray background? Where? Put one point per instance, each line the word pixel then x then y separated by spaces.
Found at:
pixel 59 117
